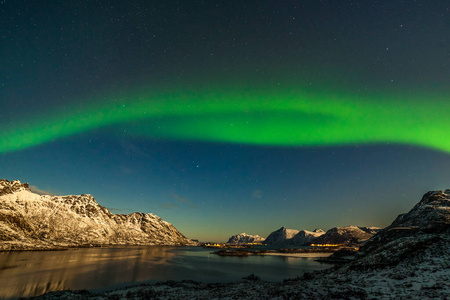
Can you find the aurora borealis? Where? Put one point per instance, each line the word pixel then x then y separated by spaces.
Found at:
pixel 274 118
pixel 230 117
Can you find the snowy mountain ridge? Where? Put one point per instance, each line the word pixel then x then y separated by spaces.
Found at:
pixel 284 236
pixel 32 221
pixel 281 236
pixel 337 235
pixel 346 235
pixel 243 238
pixel 305 237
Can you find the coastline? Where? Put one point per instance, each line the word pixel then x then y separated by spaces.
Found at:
pixel 300 255
pixel 22 248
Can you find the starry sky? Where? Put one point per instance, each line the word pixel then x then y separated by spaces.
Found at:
pixel 224 117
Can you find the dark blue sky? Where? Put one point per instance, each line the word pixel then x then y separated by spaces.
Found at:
pixel 56 57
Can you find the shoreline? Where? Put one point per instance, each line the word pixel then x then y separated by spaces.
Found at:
pixel 85 246
pixel 302 252
pixel 300 255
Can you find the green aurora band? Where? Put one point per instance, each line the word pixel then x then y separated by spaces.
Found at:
pixel 289 117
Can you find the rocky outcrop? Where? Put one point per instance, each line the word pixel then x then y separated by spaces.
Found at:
pixel 243 238
pixel 8 187
pixel 430 216
pixel 32 221
pixel 419 235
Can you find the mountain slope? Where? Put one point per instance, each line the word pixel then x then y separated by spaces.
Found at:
pixel 304 237
pixel 243 238
pixel 281 236
pixel 32 221
pixel 346 235
pixel 421 234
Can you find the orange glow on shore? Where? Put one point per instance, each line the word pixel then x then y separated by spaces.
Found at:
pixel 326 245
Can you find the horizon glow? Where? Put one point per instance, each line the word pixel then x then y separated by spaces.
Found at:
pixel 276 117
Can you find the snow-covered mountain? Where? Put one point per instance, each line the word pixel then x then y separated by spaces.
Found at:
pixel 32 221
pixel 243 238
pixel 305 237
pixel 346 235
pixel 281 236
pixel 292 237
pixel 336 235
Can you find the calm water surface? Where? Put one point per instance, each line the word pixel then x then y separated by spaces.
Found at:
pixel 34 273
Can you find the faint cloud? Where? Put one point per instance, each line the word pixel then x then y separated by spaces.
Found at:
pixel 169 205
pixel 186 201
pixel 126 170
pixel 257 194
pixel 119 210
pixel 133 149
pixel 38 191
pixel 178 202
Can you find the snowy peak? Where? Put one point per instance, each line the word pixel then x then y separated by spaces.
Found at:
pixel 281 236
pixel 9 187
pixel 305 237
pixel 243 238
pixel 346 235
pixel 84 205
pixel 284 236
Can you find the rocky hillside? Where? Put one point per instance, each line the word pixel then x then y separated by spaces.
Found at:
pixel 422 233
pixel 243 238
pixel 346 235
pixel 32 221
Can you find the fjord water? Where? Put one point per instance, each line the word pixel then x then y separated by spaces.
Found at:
pixel 31 273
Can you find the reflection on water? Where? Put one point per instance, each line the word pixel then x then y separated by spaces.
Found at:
pixel 34 273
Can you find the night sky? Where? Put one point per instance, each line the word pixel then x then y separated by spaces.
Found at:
pixel 224 117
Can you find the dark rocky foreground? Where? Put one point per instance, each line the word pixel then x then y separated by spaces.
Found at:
pixel 408 260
